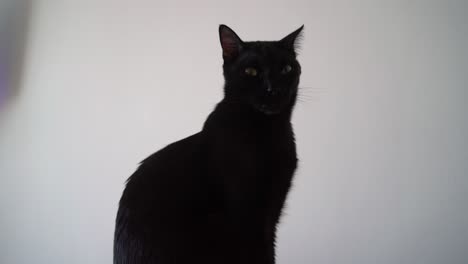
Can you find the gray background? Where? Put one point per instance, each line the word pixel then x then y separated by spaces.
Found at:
pixel 381 127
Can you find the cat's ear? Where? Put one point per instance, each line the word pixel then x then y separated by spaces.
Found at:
pixel 230 42
pixel 292 40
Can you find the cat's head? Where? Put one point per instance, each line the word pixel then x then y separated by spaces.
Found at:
pixel 262 74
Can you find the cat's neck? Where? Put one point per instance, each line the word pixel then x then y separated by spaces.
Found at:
pixel 232 114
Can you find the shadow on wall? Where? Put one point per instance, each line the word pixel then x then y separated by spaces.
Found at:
pixel 14 25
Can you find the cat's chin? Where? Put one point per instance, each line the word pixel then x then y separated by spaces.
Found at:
pixel 268 110
pixel 273 105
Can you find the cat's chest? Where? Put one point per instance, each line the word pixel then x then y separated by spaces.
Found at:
pixel 253 154
pixel 254 173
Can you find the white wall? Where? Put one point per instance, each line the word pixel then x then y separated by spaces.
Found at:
pixel 382 132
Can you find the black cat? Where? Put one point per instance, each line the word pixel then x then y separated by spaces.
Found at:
pixel 217 196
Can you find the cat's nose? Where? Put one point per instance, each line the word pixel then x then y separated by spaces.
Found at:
pixel 270 90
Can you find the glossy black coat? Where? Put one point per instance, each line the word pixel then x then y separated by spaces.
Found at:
pixel 217 196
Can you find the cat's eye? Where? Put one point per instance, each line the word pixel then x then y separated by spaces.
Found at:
pixel 286 69
pixel 251 71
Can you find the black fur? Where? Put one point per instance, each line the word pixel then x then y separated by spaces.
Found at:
pixel 217 196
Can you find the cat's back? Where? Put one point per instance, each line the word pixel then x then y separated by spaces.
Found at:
pixel 164 175
pixel 166 187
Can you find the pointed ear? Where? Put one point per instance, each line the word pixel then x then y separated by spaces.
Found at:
pixel 292 40
pixel 230 42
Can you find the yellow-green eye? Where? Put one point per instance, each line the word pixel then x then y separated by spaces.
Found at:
pixel 286 69
pixel 251 71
